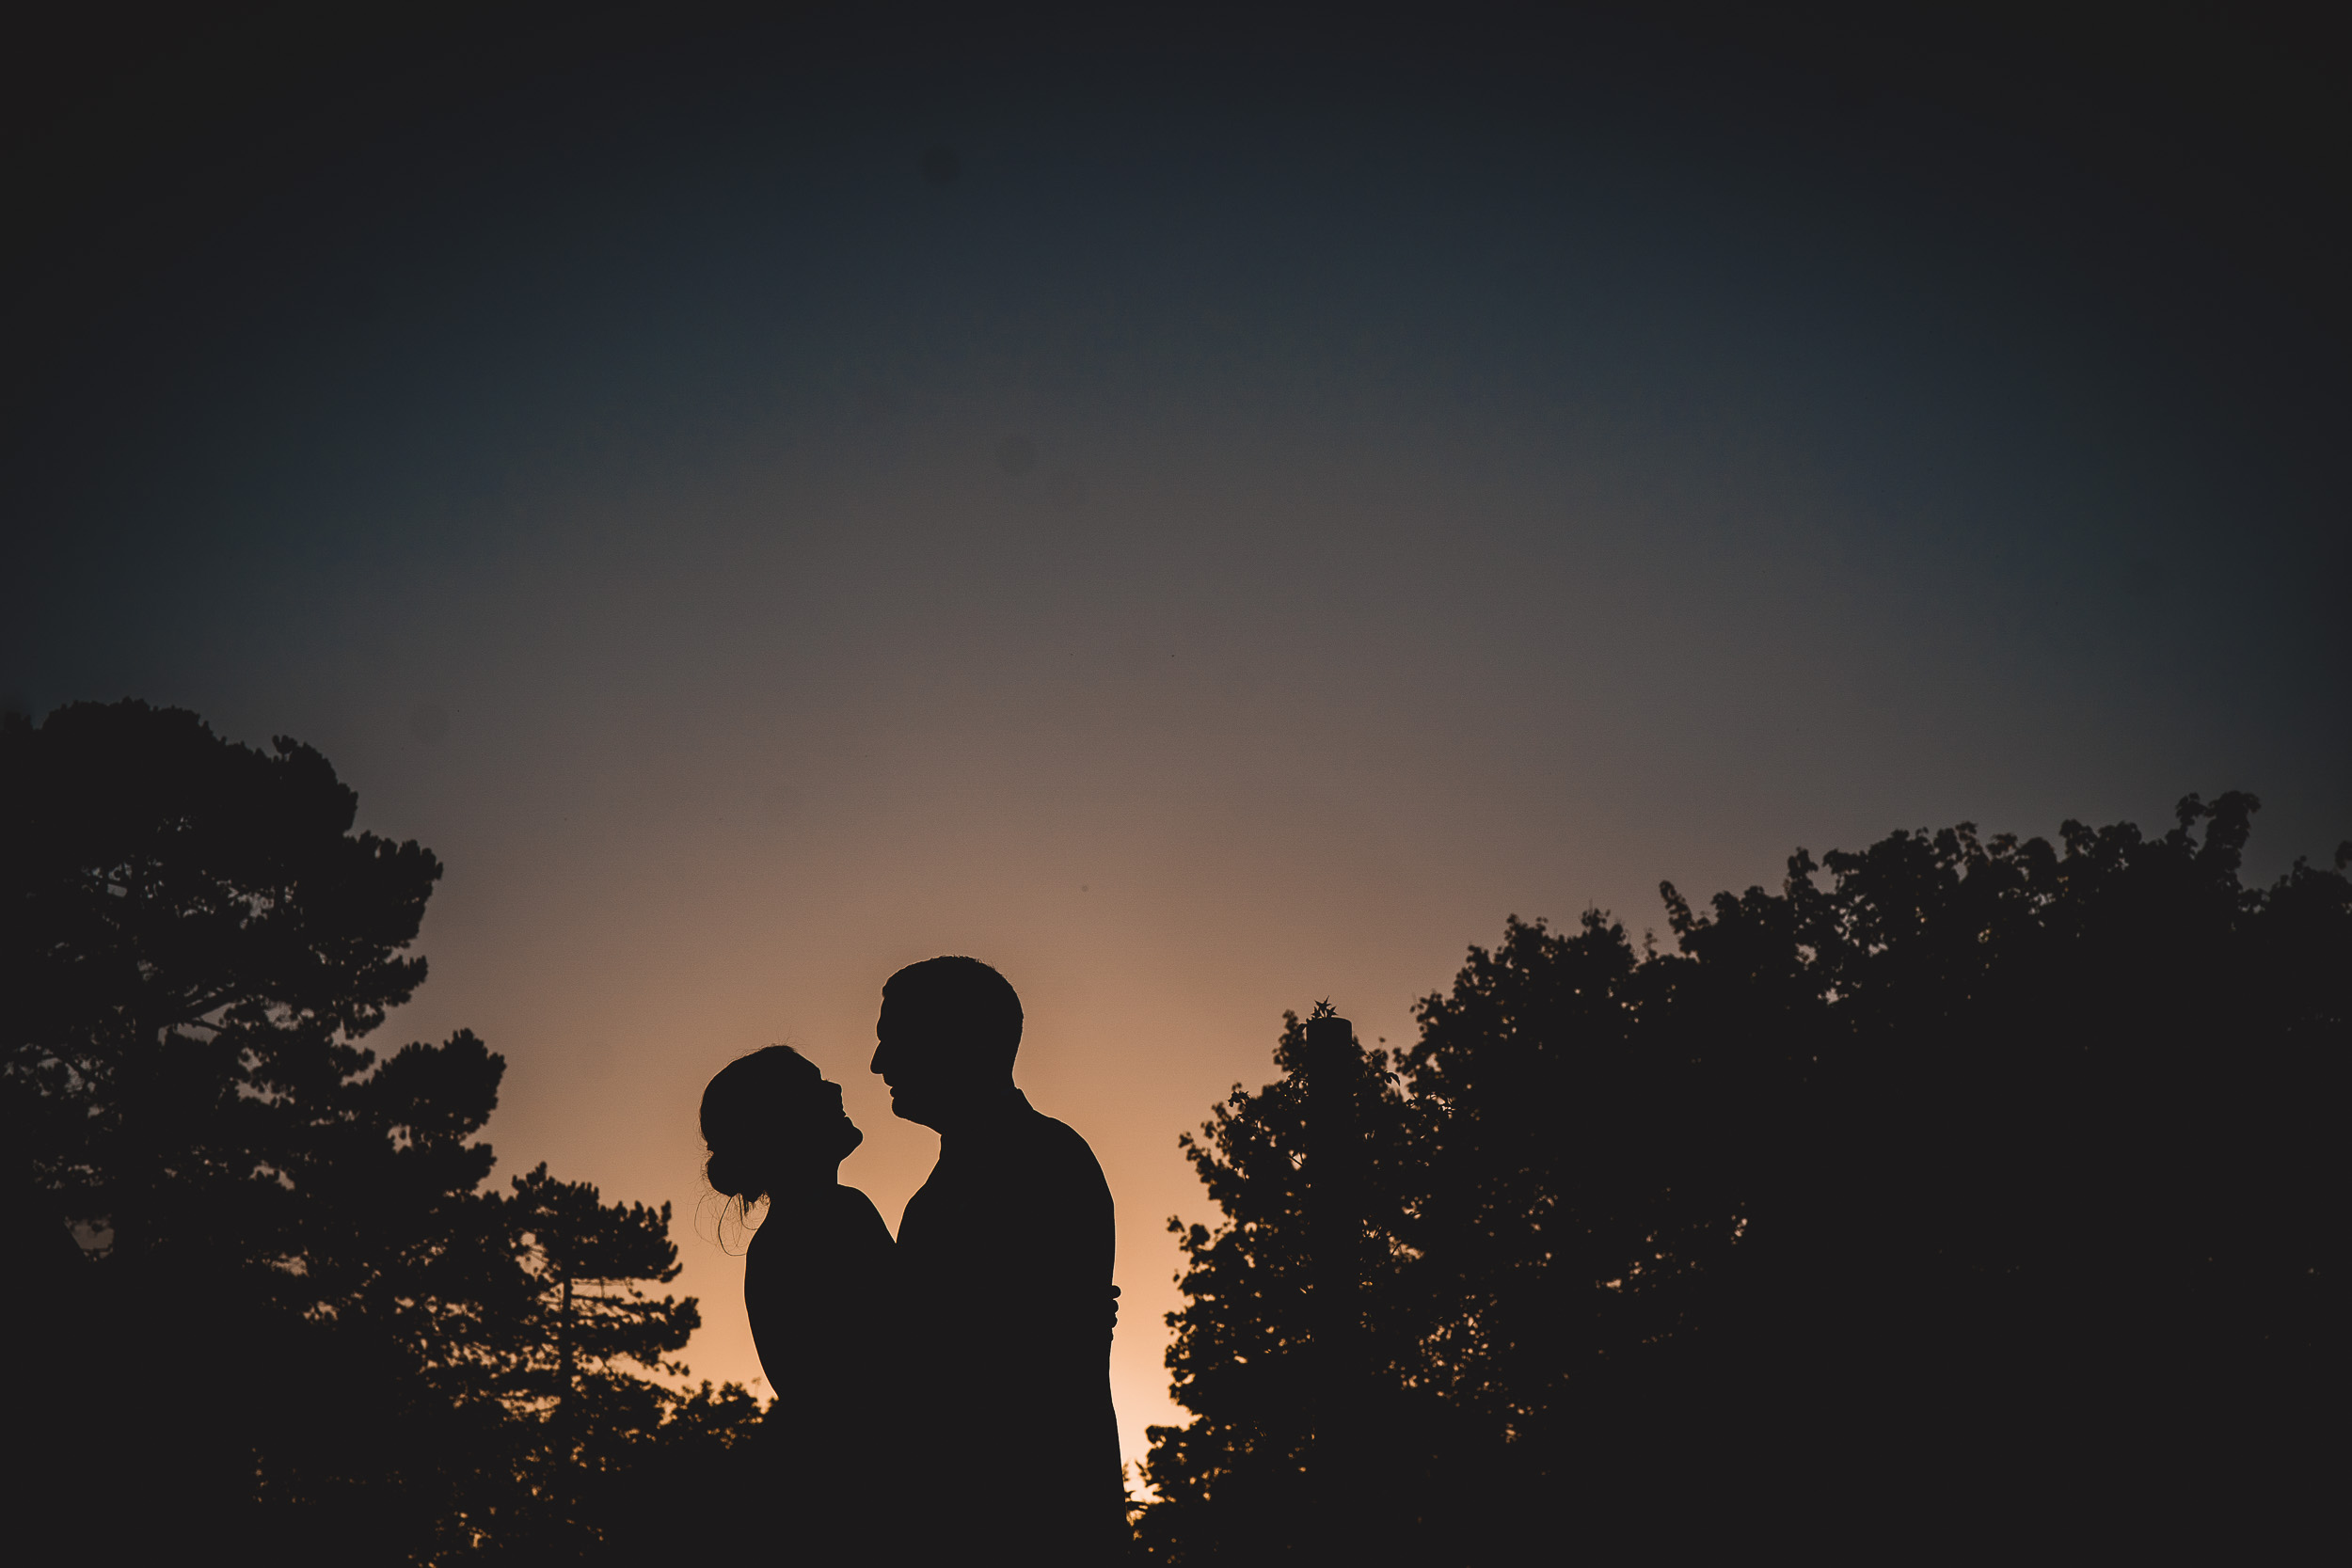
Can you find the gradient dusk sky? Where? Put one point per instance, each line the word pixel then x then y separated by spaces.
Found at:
pixel 1204 530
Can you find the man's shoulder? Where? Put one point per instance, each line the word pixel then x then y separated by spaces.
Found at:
pixel 1051 1141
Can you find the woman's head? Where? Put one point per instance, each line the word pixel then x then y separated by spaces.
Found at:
pixel 771 1119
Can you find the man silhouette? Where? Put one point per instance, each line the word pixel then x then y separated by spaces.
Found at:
pixel 1006 1252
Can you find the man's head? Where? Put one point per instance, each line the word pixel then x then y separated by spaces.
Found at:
pixel 946 1037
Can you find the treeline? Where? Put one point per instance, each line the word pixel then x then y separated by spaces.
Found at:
pixel 1963 1195
pixel 273 1307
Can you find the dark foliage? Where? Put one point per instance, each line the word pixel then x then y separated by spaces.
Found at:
pixel 294 1313
pixel 1987 1190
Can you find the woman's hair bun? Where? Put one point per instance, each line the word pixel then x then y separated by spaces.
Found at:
pixel 726 1180
pixel 737 1106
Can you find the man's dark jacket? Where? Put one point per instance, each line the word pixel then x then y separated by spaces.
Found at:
pixel 1008 1250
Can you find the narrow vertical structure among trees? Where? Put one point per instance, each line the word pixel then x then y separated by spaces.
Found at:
pixel 1334 1159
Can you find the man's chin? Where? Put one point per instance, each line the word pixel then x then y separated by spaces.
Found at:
pixel 911 1108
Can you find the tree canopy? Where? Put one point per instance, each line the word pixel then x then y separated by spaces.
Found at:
pixel 297 1310
pixel 197 940
pixel 1958 1183
pixel 1959 1186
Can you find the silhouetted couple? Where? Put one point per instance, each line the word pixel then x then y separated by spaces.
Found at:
pixel 947 1398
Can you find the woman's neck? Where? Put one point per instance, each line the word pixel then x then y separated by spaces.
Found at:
pixel 806 1182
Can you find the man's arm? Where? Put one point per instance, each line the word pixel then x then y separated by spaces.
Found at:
pixel 1061 1250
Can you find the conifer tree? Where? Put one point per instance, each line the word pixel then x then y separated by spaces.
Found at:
pixel 293 1312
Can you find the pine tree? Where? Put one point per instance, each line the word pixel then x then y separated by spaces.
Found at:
pixel 295 1314
pixel 580 1315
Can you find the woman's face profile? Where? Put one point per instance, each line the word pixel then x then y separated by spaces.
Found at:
pixel 810 1122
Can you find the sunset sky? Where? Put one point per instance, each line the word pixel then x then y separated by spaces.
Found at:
pixel 1204 533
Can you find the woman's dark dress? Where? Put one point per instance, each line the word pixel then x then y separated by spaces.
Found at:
pixel 820 1288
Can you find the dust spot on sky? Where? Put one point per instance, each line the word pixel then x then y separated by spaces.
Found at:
pixel 2145 579
pixel 1016 455
pixel 941 167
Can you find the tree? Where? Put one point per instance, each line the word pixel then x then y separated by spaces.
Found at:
pixel 301 1322
pixel 194 943
pixel 580 1314
pixel 1986 1183
pixel 1235 1483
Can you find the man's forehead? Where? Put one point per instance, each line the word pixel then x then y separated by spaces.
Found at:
pixel 901 1016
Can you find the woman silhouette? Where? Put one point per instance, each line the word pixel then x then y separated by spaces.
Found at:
pixel 819 1291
